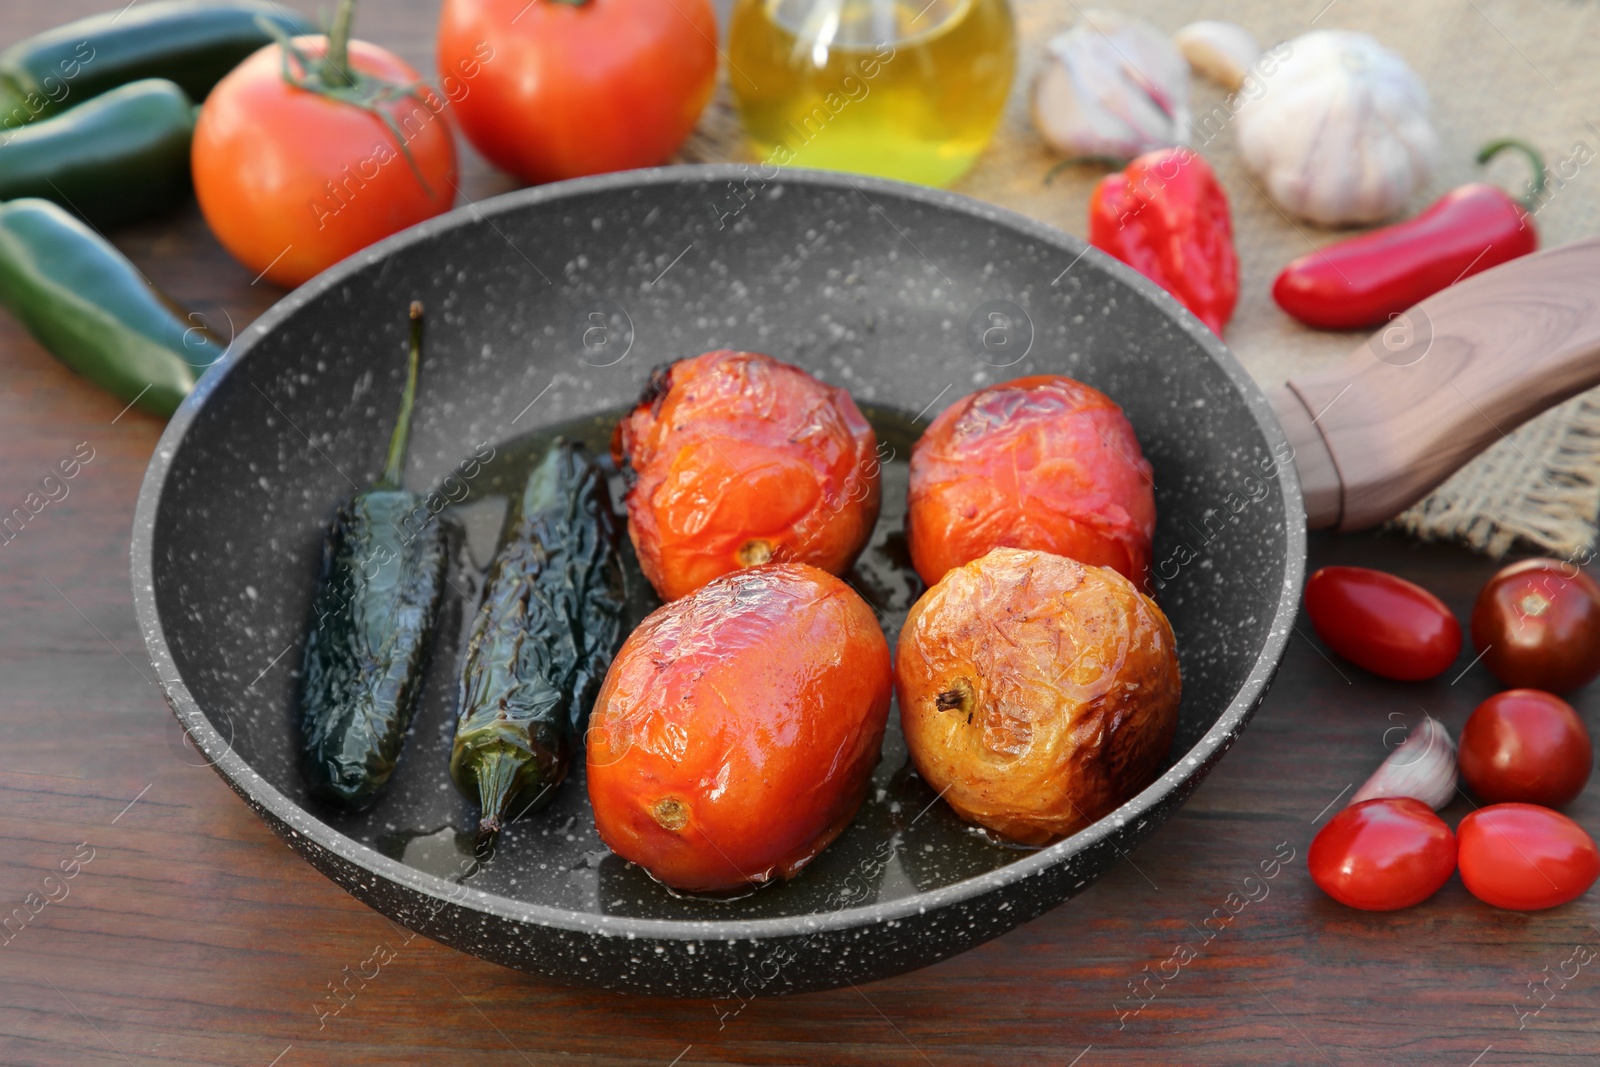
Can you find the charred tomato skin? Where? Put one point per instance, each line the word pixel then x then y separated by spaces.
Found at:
pixel 739 459
pixel 1036 693
pixel 737 730
pixel 1537 623
pixel 1043 462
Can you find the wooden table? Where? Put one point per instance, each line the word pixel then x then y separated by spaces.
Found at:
pixel 192 936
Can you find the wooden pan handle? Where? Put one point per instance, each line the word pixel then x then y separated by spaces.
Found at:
pixel 1441 383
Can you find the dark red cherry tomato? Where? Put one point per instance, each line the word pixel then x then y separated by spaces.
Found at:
pixel 1524 857
pixel 1537 624
pixel 1382 623
pixel 1528 746
pixel 1380 855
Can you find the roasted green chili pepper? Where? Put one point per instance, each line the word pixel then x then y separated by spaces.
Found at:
pixel 191 44
pixel 117 158
pixel 95 312
pixel 383 570
pixel 550 622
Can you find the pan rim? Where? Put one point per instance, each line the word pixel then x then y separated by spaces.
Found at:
pixel 283 811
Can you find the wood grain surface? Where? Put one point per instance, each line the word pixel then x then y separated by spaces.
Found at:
pixel 187 934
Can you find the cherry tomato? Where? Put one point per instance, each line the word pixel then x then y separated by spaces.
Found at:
pixel 735 459
pixel 1381 855
pixel 737 729
pixel 1382 623
pixel 574 87
pixel 1524 857
pixel 1537 624
pixel 1044 463
pixel 292 181
pixel 1528 746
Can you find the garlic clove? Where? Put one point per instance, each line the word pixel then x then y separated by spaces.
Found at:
pixel 1423 767
pixel 1111 86
pixel 1219 51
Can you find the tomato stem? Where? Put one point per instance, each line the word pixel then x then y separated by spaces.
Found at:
pixel 336 57
pixel 334 77
pixel 1536 184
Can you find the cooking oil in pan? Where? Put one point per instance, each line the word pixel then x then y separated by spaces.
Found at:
pixel 906 89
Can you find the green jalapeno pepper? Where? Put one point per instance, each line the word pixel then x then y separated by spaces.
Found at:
pixel 95 312
pixel 193 44
pixel 117 158
pixel 549 625
pixel 383 571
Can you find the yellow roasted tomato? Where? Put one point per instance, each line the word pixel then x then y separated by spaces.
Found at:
pixel 1036 693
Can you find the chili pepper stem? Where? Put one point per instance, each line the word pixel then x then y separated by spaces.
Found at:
pixel 543 486
pixel 1536 185
pixel 394 469
pixel 497 771
pixel 1076 161
pixel 12 99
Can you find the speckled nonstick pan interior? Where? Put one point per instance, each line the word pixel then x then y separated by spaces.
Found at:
pixel 546 309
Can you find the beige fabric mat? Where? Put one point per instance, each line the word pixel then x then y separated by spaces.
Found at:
pixel 1494 68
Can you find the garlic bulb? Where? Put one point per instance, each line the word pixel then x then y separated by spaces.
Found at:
pixel 1112 86
pixel 1220 51
pixel 1339 131
pixel 1424 767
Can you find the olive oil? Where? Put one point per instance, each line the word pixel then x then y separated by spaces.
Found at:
pixel 906 89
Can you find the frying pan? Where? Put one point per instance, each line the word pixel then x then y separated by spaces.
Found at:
pixel 547 308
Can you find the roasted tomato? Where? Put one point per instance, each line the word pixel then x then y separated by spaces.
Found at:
pixel 1045 463
pixel 1537 624
pixel 1036 694
pixel 736 731
pixel 1525 745
pixel 1524 857
pixel 1382 623
pixel 737 459
pixel 1380 855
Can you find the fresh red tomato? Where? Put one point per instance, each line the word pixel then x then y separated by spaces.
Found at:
pixel 1528 746
pixel 1524 857
pixel 1537 624
pixel 292 180
pixel 574 87
pixel 1381 855
pixel 1382 623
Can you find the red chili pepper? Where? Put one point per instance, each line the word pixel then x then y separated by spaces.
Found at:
pixel 1166 217
pixel 1365 281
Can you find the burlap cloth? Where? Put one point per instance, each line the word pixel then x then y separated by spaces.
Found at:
pixel 1494 68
